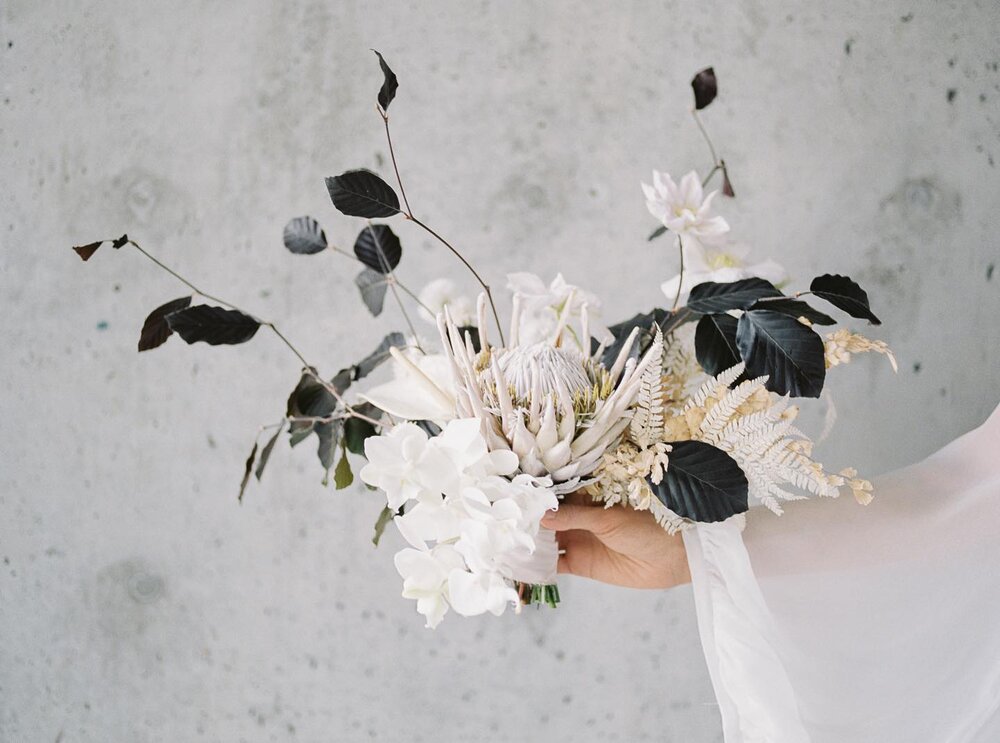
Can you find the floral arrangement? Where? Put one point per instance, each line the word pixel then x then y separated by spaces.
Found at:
pixel 486 425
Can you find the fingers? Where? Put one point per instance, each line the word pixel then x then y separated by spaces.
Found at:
pixel 569 516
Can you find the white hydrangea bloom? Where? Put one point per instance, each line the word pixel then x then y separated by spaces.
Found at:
pixel 442 293
pixel 474 524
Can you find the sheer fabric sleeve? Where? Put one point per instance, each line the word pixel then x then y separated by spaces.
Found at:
pixel 838 623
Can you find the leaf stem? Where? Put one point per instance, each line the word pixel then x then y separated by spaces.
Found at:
pixel 680 276
pixel 392 154
pixel 483 284
pixel 708 140
pixel 409 215
pixel 391 281
pixel 409 292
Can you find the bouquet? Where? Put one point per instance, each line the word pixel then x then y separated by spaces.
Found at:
pixel 487 423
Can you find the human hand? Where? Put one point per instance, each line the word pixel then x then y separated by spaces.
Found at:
pixel 617 545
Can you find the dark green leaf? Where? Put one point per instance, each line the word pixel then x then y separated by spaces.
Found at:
pixel 622 330
pixel 373 360
pixel 246 471
pixel 342 476
pixel 715 343
pixel 845 294
pixel 265 453
pixel 342 380
pixel 329 441
pixel 661 230
pixel 85 251
pixel 309 399
pixel 702 483
pixel 712 297
pixel 384 518
pixel 705 88
pixel 793 308
pixel 378 248
pixel 373 287
pixel 788 352
pixel 388 90
pixel 213 325
pixel 356 431
pixel 304 236
pixel 155 330
pixel 361 193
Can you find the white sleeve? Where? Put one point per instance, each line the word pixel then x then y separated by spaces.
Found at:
pixel 838 623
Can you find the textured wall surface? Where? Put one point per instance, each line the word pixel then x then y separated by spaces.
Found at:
pixel 140 602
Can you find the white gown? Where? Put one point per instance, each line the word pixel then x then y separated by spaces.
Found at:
pixel 838 623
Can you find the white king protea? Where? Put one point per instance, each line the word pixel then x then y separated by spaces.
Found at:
pixel 555 406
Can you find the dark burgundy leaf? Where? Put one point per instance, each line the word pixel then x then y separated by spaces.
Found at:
pixel 845 294
pixel 715 343
pixel 705 88
pixel 119 242
pixel 155 330
pixel 702 483
pixel 247 470
pixel 215 326
pixel 265 453
pixel 361 193
pixel 734 295
pixel 788 352
pixel 378 248
pixel 727 186
pixel 304 236
pixel 389 86
pixel 85 251
pixel 793 308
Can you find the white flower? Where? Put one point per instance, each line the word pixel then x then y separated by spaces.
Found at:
pixel 442 293
pixel 684 209
pixel 421 388
pixel 544 310
pixel 721 263
pixel 426 577
pixel 471 594
pixel 406 465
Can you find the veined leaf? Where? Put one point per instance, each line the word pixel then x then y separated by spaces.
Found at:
pixel 388 90
pixel 373 287
pixel 702 483
pixel 793 308
pixel 712 296
pixel 213 325
pixel 845 294
pixel 715 343
pixel 361 193
pixel 378 248
pixel 304 236
pixel 155 329
pixel 788 352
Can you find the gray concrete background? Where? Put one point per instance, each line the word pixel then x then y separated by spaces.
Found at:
pixel 139 602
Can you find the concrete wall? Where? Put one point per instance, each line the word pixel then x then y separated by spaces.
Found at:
pixel 139 602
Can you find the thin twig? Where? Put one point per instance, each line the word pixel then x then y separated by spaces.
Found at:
pixel 409 215
pixel 483 284
pixel 704 133
pixel 391 281
pixel 395 278
pixel 392 154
